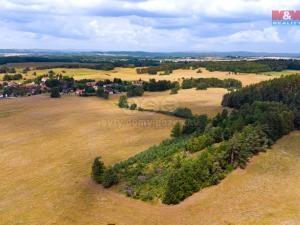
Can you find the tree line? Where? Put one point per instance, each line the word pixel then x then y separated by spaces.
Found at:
pixel 7 77
pixel 285 89
pixel 204 83
pixel 73 61
pixel 241 66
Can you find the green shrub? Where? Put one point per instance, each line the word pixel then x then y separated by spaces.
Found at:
pixel 123 103
pixel 174 91
pixel 110 178
pixel 133 106
pixel 177 130
pixel 135 91
pixel 198 143
pixel 183 112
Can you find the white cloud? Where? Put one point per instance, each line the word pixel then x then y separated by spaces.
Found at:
pixel 165 25
pixel 212 8
pixel 269 34
pixel 293 35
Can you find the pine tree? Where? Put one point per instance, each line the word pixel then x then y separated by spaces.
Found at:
pixel 98 170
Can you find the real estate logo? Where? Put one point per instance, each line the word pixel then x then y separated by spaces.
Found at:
pixel 286 17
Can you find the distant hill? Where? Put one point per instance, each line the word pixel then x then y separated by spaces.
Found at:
pixel 233 54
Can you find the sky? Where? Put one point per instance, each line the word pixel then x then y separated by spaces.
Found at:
pixel 147 25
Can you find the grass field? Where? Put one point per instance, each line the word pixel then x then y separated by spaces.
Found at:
pixel 47 146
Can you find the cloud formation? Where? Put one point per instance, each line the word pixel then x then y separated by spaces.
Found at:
pixel 149 25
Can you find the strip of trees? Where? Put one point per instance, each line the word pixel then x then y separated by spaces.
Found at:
pixel 172 171
pixel 204 83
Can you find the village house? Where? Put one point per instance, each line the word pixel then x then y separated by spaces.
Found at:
pixel 109 91
pixel 138 83
pixel 110 85
pixel 91 84
pixel 44 79
pixel 79 92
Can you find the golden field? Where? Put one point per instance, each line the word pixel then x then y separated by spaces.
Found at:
pixel 199 101
pixel 47 147
pixel 130 74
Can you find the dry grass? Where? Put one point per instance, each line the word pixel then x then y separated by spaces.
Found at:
pixel 47 146
pixel 46 150
pixel 199 101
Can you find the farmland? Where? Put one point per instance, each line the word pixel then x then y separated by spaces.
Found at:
pixel 149 112
pixel 208 101
pixel 48 146
pixel 130 74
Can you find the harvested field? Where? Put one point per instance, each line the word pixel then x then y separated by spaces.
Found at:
pixel 47 146
pixel 199 101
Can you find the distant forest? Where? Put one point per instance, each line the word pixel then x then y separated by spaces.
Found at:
pixel 257 66
pixel 91 62
pixel 155 66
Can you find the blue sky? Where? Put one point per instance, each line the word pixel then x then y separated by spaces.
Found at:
pixel 147 25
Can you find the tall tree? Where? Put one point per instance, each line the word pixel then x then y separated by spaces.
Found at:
pixel 98 170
